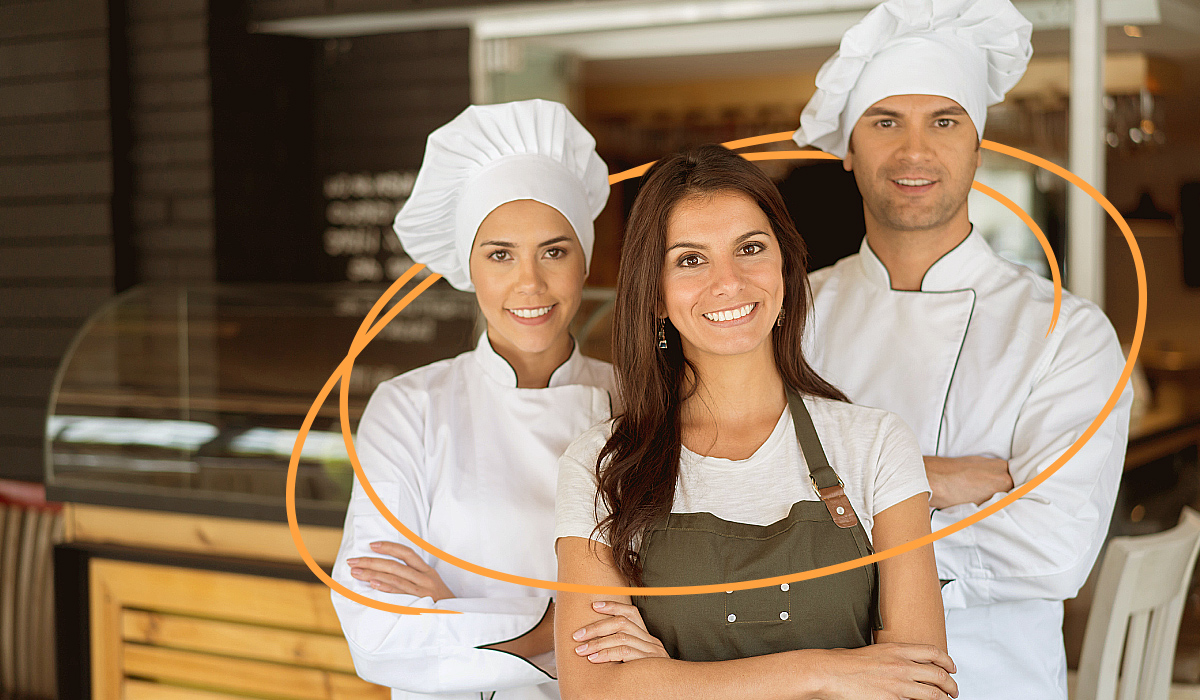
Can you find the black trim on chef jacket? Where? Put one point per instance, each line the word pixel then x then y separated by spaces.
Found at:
pixel 958 357
pixel 935 262
pixel 970 316
pixel 486 647
pixel 517 379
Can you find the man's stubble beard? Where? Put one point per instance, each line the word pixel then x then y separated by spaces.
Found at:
pixel 891 212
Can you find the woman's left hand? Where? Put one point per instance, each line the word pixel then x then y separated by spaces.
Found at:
pixel 406 573
pixel 621 636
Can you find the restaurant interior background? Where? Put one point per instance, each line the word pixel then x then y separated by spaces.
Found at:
pixel 195 209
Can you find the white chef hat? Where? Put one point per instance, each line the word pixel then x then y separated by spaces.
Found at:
pixel 491 155
pixel 971 51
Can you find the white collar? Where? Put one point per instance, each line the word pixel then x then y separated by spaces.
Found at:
pixel 958 269
pixel 497 368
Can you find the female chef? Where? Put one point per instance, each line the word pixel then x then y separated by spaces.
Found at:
pixel 733 461
pixel 465 451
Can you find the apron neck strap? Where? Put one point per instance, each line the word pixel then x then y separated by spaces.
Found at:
pixel 823 475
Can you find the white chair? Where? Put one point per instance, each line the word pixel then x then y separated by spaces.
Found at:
pixel 1136 610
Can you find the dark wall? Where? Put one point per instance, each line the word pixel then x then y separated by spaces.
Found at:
pixel 824 201
pixel 169 164
pixel 151 140
pixel 56 223
pixel 262 151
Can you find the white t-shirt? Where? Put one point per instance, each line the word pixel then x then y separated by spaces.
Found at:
pixel 873 452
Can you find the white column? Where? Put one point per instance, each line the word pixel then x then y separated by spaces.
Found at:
pixel 1086 152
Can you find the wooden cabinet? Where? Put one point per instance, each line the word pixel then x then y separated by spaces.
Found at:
pixel 166 623
pixel 169 630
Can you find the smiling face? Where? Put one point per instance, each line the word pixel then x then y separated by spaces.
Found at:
pixel 722 278
pixel 528 270
pixel 914 157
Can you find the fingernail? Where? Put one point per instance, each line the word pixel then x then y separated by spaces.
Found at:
pixel 376 545
pixel 578 635
pixel 375 584
pixel 352 562
pixel 581 648
pixel 599 605
pixel 593 657
pixel 356 572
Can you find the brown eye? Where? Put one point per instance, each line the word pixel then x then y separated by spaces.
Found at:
pixel 753 248
pixel 691 260
pixel 499 255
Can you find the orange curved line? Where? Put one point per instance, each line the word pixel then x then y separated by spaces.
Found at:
pixel 294 526
pixel 1037 231
pixel 759 140
pixel 788 155
pixel 361 339
pixel 631 173
pixel 342 374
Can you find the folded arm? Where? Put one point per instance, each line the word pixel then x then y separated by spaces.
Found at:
pixel 1044 544
pixel 427 653
pixel 878 672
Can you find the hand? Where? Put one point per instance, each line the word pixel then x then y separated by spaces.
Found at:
pixel 621 636
pixel 410 575
pixel 886 672
pixel 958 480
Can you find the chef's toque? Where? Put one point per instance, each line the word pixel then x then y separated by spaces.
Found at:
pixel 491 155
pixel 971 51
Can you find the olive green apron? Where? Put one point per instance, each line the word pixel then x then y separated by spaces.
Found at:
pixel 836 611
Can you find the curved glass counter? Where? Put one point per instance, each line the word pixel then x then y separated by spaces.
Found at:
pixel 190 399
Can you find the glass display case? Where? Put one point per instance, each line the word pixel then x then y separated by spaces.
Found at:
pixel 190 399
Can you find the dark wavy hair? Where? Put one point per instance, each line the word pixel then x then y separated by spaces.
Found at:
pixel 639 465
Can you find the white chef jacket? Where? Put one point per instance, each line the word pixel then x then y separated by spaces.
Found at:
pixel 966 362
pixel 469 462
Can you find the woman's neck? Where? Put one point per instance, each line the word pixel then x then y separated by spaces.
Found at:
pixel 534 368
pixel 735 391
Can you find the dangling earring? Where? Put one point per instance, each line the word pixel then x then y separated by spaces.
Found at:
pixel 779 319
pixel 662 334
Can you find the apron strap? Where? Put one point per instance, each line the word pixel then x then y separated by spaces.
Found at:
pixel 825 480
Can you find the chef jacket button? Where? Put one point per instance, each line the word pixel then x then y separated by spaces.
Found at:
pixel 731 617
pixel 783 615
pixel 841 510
pixel 784 587
pixel 729 591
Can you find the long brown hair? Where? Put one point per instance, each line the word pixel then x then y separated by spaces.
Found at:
pixel 639 465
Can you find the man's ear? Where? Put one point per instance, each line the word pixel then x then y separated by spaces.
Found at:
pixel 847 160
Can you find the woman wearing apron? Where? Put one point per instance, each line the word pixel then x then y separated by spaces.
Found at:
pixel 734 461
pixel 465 451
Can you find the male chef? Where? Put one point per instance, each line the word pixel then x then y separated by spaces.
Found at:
pixel 928 322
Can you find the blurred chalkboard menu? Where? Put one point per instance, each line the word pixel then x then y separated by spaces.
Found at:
pixel 377 99
pixel 359 209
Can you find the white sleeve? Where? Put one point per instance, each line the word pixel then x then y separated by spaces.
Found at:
pixel 576 508
pixel 429 653
pixel 900 472
pixel 1044 545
